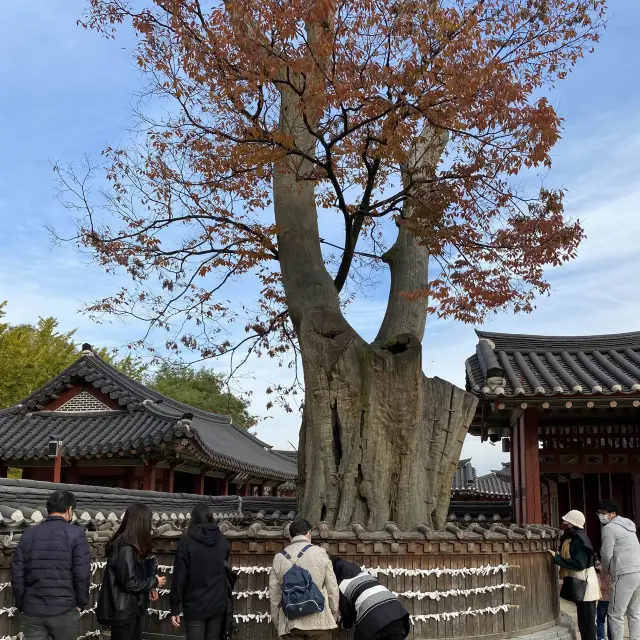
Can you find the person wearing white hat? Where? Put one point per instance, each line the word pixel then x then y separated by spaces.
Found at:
pixel 576 560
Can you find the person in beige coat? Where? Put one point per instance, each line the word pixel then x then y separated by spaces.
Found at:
pixel 317 626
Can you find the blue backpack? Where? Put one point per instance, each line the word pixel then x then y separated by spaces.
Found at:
pixel 300 595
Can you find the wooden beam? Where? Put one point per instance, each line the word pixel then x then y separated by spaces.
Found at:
pixel 582 467
pixel 149 482
pixel 198 482
pixel 168 476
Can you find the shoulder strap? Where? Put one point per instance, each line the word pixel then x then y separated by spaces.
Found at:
pixel 287 556
pixel 304 551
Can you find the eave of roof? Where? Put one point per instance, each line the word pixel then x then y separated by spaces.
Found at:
pixel 534 367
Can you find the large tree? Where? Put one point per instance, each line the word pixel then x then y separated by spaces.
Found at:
pixel 399 128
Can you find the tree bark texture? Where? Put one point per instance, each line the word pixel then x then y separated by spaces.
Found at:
pixel 379 441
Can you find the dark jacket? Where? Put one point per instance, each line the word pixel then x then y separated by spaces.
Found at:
pixel 51 570
pixel 378 613
pixel 125 586
pixel 581 551
pixel 199 581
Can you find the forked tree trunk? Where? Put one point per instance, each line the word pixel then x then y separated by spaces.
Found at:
pixel 380 441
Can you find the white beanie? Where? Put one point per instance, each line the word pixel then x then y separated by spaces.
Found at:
pixel 576 518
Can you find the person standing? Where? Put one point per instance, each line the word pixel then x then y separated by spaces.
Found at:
pixel 128 582
pixel 316 562
pixel 620 557
pixel 576 560
pixel 603 604
pixel 199 585
pixel 51 573
pixel 376 613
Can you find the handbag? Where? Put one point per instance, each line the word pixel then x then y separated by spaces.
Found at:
pixel 573 589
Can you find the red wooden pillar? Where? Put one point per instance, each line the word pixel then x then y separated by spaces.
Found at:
pixel 531 504
pixel 223 486
pixel 57 466
pixel 149 483
pixel 199 483
pixel 167 480
pixel 516 483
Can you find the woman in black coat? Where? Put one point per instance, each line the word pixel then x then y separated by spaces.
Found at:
pixel 129 577
pixel 199 586
pixel 380 616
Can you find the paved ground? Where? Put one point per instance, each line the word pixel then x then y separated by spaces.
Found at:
pixel 570 610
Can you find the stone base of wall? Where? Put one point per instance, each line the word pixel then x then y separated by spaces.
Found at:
pixel 563 630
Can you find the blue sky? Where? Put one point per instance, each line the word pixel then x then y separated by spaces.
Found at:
pixel 66 93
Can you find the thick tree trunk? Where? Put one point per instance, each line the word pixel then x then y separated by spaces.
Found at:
pixel 379 442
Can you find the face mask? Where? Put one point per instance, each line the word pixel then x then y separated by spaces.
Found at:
pixel 604 519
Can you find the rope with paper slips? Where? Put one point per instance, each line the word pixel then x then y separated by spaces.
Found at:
pixel 449 615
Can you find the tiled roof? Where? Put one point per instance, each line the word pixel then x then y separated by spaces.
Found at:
pixel 465 477
pixel 533 366
pixel 26 500
pixel 494 484
pixel 291 456
pixel 23 503
pixel 100 511
pixel 478 511
pixel 146 418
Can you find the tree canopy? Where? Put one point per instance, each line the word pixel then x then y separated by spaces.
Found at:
pixel 365 80
pixel 310 145
pixel 30 355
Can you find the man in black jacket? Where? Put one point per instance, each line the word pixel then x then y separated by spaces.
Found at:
pixel 51 573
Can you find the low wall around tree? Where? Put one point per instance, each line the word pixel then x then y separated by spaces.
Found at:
pixel 483 582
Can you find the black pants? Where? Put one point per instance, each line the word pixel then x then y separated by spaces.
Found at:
pixel 64 627
pixel 395 630
pixel 130 629
pixel 587 619
pixel 208 629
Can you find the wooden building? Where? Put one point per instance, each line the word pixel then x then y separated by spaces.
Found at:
pixel 567 409
pixel 115 432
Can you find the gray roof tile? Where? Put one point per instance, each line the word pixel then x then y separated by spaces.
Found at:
pixel 535 366
pixel 147 418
